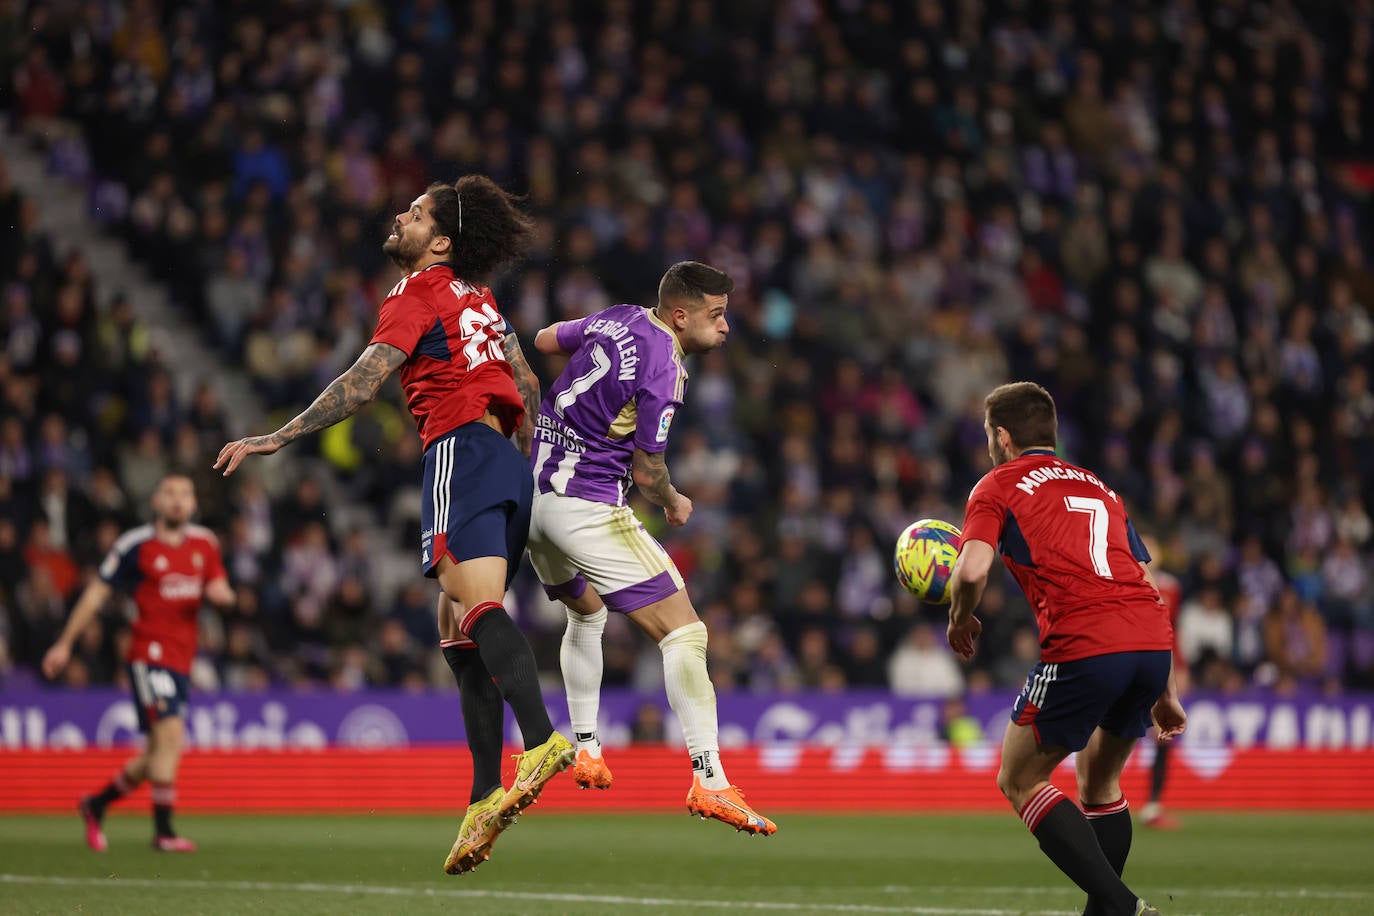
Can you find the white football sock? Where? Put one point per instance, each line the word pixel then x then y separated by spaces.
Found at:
pixel 693 699
pixel 580 659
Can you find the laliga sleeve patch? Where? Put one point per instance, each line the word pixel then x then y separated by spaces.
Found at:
pixel 665 420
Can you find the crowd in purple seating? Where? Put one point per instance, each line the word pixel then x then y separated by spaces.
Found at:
pixel 1158 210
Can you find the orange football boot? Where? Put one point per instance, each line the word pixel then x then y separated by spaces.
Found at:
pixel 728 806
pixel 591 772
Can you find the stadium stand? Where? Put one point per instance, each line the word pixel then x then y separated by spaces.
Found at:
pixel 1159 211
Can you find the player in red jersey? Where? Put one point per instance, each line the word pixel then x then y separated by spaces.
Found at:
pixel 1105 640
pixel 469 388
pixel 167 567
pixel 1152 813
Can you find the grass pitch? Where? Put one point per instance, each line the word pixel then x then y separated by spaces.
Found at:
pixel 552 863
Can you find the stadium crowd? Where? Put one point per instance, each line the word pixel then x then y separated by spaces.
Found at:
pixel 1160 211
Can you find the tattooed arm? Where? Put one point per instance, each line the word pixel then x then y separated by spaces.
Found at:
pixel 650 474
pixel 528 383
pixel 341 399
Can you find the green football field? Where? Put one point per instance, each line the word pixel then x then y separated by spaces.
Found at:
pixel 560 863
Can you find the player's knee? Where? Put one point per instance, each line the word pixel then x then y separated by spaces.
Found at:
pixel 692 635
pixel 1014 787
pixel 1006 784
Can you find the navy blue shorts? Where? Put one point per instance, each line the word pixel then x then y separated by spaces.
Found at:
pixel 1065 701
pixel 159 693
pixel 476 499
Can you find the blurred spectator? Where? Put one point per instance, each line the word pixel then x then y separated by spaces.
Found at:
pixel 1295 639
pixel 923 665
pixel 1205 626
pixel 648 725
pixel 957 727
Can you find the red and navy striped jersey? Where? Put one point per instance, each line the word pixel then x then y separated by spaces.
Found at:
pixel 457 368
pixel 167 583
pixel 1067 539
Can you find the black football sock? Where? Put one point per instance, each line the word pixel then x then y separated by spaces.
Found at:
pixel 1064 836
pixel 483 718
pixel 164 797
pixel 114 790
pixel 510 660
pixel 1112 824
pixel 1158 770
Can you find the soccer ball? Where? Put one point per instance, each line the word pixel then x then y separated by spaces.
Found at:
pixel 924 557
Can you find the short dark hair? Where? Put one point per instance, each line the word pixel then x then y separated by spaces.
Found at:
pixel 692 280
pixel 486 228
pixel 1026 411
pixel 176 473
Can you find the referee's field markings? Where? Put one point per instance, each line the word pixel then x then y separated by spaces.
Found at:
pixel 445 893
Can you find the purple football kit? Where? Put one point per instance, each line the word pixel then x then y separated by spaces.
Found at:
pixel 620 391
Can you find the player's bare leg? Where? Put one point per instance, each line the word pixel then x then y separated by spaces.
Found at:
pixel 1100 765
pixel 580 659
pixel 673 623
pixel 484 724
pixel 166 739
pixel 1061 829
pixel 479 585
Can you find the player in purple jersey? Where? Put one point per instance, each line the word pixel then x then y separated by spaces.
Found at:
pixel 602 425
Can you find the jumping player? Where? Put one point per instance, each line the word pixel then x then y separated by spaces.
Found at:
pixel 168 568
pixel 469 388
pixel 1105 640
pixel 604 423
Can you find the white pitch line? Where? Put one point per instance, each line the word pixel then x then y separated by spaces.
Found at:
pixel 1234 892
pixel 383 891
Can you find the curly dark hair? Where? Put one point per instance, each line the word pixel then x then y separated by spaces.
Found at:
pixel 486 227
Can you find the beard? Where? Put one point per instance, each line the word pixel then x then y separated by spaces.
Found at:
pixel 405 251
pixel 999 454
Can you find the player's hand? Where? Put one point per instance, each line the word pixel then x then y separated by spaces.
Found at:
pixel 963 636
pixel 56 660
pixel 1169 718
pixel 221 593
pixel 233 454
pixel 678 513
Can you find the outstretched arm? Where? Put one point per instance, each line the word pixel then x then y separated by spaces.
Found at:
pixel 966 582
pixel 528 383
pixel 650 474
pixel 341 399
pixel 546 341
pixel 90 602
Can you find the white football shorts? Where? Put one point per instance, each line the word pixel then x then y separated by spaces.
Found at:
pixel 575 541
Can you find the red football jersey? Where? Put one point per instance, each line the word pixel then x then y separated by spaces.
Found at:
pixel 1066 538
pixel 167 583
pixel 452 334
pixel 1171 593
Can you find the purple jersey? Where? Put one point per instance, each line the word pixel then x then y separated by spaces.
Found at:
pixel 619 391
